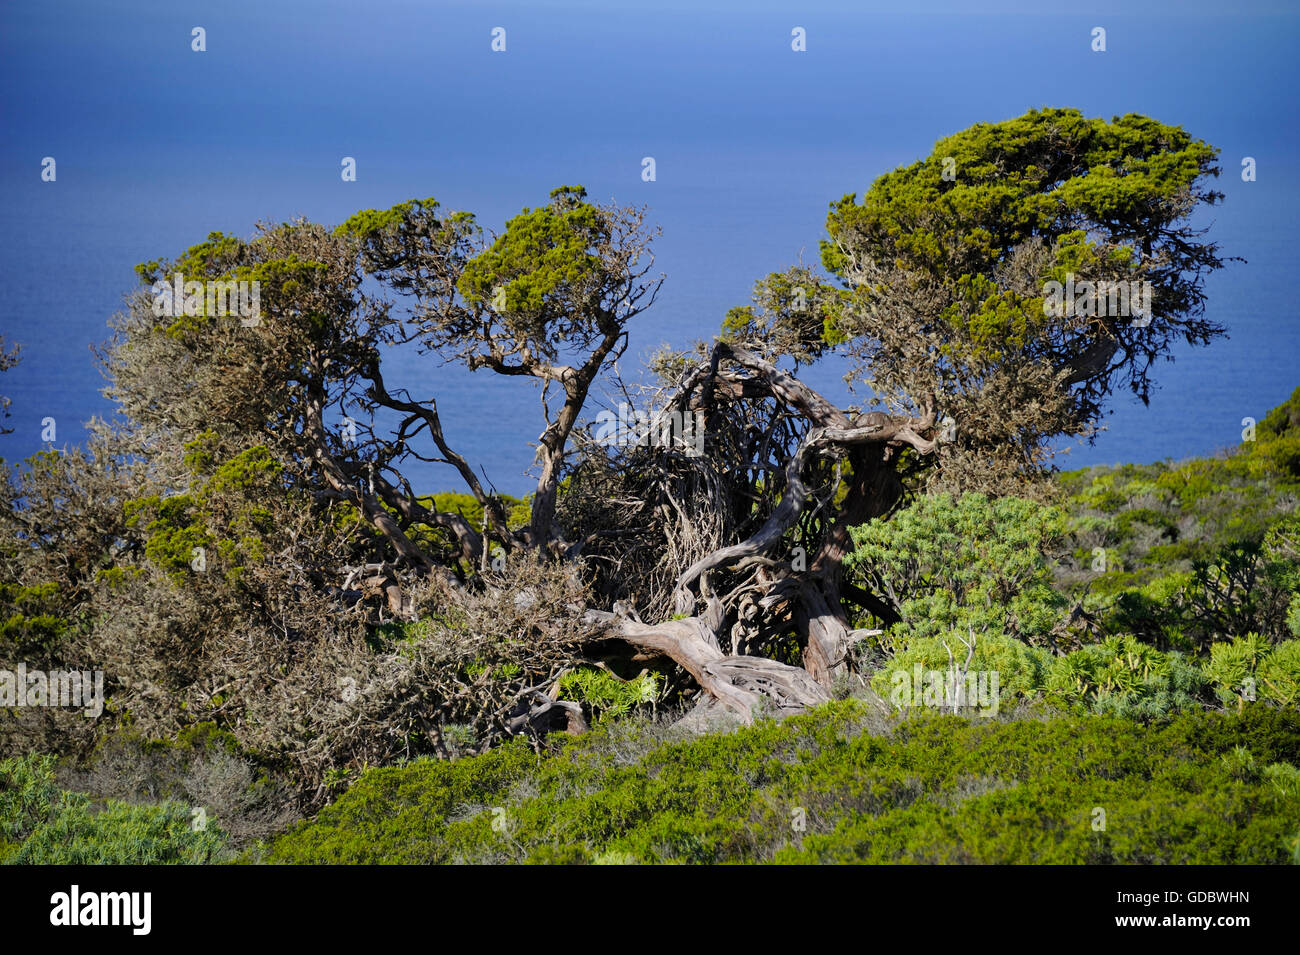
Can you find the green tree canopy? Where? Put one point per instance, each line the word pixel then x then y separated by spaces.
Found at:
pixel 939 279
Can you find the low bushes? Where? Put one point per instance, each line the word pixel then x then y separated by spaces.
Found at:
pixel 1247 668
pixel 41 824
pixel 822 787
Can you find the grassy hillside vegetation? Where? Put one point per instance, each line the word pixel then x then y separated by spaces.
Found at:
pixel 843 784
pixel 1195 552
pixel 1146 712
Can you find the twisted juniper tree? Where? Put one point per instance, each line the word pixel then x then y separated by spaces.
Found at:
pixel 721 562
pixel 940 282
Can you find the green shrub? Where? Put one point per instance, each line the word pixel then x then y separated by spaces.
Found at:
pixel 819 788
pixel 1196 550
pixel 605 694
pixel 1279 674
pixel 1123 677
pixel 121 834
pixel 1020 668
pixel 28 794
pixel 967 564
pixel 1240 764
pixel 41 824
pixel 1284 777
pixel 1232 665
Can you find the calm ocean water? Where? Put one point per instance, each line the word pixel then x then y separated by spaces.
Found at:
pixel 158 145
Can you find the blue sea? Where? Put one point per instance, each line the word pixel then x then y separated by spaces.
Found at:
pixel 157 145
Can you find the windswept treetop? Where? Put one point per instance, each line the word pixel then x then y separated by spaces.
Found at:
pixel 549 298
pixel 938 278
pixel 1042 175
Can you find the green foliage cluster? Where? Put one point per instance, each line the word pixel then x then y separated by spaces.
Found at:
pixel 974 570
pixel 934 789
pixel 1021 668
pixel 1276 450
pixel 227 512
pixel 542 252
pixel 42 824
pixel 795 313
pixel 1118 676
pixel 1248 668
pixel 605 694
pixel 468 507
pixel 29 623
pixel 1126 678
pixel 970 564
pixel 1009 181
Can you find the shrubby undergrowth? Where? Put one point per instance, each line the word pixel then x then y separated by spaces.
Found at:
pixel 43 824
pixel 843 784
